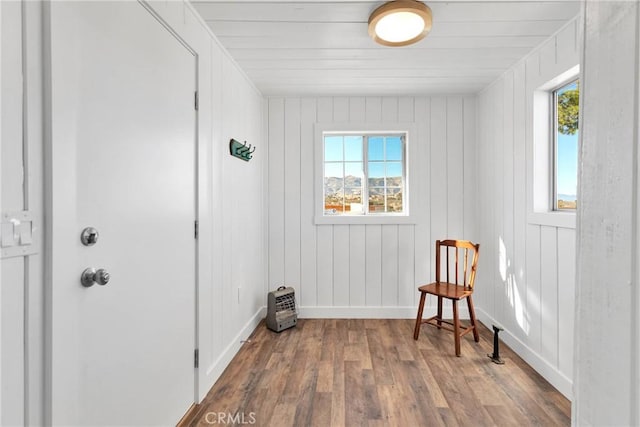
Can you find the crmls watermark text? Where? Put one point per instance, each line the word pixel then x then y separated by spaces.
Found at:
pixel 223 418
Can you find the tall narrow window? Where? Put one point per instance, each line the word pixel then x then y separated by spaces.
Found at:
pixel 364 174
pixel 566 133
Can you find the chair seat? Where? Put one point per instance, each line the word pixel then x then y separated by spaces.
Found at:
pixel 446 290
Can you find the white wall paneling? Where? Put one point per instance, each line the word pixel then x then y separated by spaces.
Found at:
pixel 469 170
pixel 455 167
pixel 549 315
pixel 276 201
pixel 13 332
pixel 367 270
pixel 357 265
pixel 341 263
pixel 292 191
pixel 607 362
pixel 12 270
pixel 566 296
pixel 21 171
pixel 519 268
pixel 373 258
pixel 496 243
pixel 406 265
pixel 423 246
pixel 390 247
pixel 529 287
pixel 308 246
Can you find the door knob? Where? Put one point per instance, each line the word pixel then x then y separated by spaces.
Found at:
pixel 91 276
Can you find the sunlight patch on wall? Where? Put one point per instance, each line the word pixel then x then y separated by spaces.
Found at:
pixel 518 307
pixel 502 260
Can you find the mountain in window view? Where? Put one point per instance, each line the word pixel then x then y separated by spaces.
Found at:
pixel 353 184
pixel 567 201
pixel 567 197
pixel 334 184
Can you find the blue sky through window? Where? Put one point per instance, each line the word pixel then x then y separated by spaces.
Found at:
pixel 568 164
pixel 376 148
pixel 333 149
pixel 349 149
pixel 353 148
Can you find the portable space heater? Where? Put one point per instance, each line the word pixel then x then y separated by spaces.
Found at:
pixel 281 309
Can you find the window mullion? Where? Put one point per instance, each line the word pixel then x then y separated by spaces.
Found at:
pixel 405 166
pixel 554 151
pixel 384 163
pixel 365 178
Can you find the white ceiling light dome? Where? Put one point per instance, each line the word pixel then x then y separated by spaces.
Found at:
pixel 400 22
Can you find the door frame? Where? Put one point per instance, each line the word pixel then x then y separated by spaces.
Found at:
pixel 196 185
pixel 48 202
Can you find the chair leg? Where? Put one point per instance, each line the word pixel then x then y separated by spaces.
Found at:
pixel 439 320
pixel 472 316
pixel 456 326
pixel 416 331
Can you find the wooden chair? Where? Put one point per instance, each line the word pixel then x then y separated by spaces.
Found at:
pixel 454 291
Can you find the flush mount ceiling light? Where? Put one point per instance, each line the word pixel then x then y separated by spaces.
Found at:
pixel 400 22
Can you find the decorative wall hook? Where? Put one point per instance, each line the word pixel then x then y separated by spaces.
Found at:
pixel 241 150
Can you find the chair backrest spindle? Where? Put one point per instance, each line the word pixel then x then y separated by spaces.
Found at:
pixel 438 261
pixel 468 266
pixel 448 281
pixel 457 282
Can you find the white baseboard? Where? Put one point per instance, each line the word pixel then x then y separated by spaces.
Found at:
pixel 220 364
pixel 544 368
pixel 379 312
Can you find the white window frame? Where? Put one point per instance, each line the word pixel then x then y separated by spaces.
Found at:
pixel 542 202
pixel 408 214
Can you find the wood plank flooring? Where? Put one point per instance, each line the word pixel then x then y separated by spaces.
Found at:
pixel 334 372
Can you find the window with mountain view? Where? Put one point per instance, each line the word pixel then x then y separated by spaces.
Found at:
pixel 566 131
pixel 364 174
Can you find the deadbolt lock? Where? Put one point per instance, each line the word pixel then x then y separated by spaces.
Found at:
pixel 89 236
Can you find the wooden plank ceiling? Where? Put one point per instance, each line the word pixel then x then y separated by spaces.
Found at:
pixel 314 47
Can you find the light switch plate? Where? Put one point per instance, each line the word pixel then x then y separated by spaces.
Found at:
pixel 8 235
pixel 25 233
pixel 17 235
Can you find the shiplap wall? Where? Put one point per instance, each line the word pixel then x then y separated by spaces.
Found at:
pixel 12 198
pixel 526 280
pixel 367 270
pixel 607 371
pixel 21 178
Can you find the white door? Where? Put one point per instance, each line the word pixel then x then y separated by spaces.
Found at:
pixel 123 161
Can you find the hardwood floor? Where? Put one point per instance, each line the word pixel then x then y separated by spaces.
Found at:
pixel 328 372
